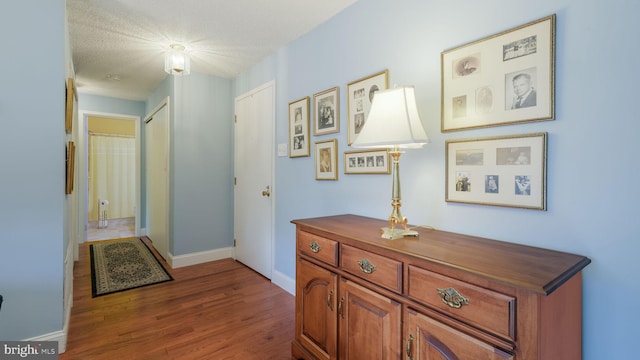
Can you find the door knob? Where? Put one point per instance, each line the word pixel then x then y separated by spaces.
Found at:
pixel 266 192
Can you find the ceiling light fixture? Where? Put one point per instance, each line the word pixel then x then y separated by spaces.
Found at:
pixel 177 61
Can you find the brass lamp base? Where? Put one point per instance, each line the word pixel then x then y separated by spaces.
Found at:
pixel 391 234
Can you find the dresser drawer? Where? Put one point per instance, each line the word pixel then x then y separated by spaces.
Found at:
pixel 375 268
pixel 484 308
pixel 317 247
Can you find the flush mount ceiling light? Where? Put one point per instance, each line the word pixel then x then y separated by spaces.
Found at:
pixel 176 61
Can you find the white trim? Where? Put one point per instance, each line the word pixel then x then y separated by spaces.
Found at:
pixel 285 282
pixel 68 295
pixel 178 261
pixel 59 336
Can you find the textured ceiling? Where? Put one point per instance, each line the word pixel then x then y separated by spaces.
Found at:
pixel 118 46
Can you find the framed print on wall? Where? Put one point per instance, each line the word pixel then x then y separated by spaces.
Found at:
pixel 70 167
pixel 367 162
pixel 503 79
pixel 326 112
pixel 299 128
pixel 359 97
pixel 326 153
pixel 71 99
pixel 502 171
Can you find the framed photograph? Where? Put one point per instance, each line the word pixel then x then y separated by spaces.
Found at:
pixel 70 164
pixel 503 79
pixel 71 99
pixel 502 171
pixel 367 162
pixel 327 160
pixel 299 128
pixel 359 97
pixel 326 110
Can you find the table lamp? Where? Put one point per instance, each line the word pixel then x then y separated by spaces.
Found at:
pixel 393 123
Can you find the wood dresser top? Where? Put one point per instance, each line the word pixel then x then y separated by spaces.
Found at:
pixel 531 268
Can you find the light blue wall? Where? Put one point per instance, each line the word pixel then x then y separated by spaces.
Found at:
pixel 105 104
pixel 592 198
pixel 32 168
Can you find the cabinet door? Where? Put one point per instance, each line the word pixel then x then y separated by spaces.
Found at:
pixel 428 339
pixel 316 321
pixel 370 324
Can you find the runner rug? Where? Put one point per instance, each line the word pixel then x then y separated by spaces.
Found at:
pixel 123 265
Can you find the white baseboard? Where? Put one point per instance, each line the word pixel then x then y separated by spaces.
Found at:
pixel 285 282
pixel 59 336
pixel 199 257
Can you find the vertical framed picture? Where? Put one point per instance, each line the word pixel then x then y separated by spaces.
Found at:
pixel 299 128
pixel 71 99
pixel 70 167
pixel 359 97
pixel 503 79
pixel 502 171
pixel 326 155
pixel 326 112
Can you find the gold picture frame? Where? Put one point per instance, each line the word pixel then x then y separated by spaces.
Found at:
pixel 503 79
pixel 71 98
pixel 367 162
pixel 70 167
pixel 505 171
pixel 326 159
pixel 299 128
pixel 326 112
pixel 359 97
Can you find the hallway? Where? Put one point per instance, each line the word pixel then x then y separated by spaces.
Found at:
pixel 115 229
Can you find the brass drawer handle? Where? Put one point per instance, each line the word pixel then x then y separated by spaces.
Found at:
pixel 340 311
pixel 315 247
pixel 452 298
pixel 330 300
pixel 366 266
pixel 411 338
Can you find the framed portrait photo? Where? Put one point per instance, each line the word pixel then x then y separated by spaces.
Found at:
pixel 71 98
pixel 326 155
pixel 367 162
pixel 299 128
pixel 359 97
pixel 503 79
pixel 502 171
pixel 326 112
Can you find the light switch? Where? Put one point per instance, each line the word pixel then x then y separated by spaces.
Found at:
pixel 282 149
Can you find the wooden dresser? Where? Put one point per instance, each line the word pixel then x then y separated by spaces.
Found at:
pixel 440 296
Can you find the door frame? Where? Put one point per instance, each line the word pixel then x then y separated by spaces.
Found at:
pixel 272 85
pixel 83 170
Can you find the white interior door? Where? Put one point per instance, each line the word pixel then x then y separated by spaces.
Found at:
pixel 253 191
pixel 157 178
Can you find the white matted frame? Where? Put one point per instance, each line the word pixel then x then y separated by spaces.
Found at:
pixel 502 171
pixel 359 97
pixel 367 162
pixel 326 156
pixel 503 79
pixel 299 128
pixel 326 110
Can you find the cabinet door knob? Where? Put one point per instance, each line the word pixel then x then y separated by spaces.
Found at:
pixel 409 342
pixel 452 298
pixel 330 300
pixel 366 266
pixel 315 247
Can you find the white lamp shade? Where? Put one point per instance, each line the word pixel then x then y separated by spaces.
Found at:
pixel 393 120
pixel 176 61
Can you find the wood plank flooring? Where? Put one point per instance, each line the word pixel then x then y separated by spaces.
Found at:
pixel 216 310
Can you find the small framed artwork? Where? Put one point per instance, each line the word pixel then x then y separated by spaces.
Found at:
pixel 71 98
pixel 367 162
pixel 299 128
pixel 359 97
pixel 326 153
pixel 326 111
pixel 503 79
pixel 502 171
pixel 70 167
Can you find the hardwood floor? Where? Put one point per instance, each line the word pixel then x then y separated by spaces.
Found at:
pixel 215 310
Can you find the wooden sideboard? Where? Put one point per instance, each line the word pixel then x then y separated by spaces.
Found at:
pixel 439 296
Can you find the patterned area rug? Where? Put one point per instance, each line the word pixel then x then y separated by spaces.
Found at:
pixel 123 265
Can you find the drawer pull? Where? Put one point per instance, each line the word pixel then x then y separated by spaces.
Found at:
pixel 409 342
pixel 452 298
pixel 329 300
pixel 340 307
pixel 315 247
pixel 366 266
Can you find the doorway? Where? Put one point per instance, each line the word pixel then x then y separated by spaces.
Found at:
pixel 254 191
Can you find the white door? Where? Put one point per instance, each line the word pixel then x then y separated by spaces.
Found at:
pixel 253 191
pixel 157 178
